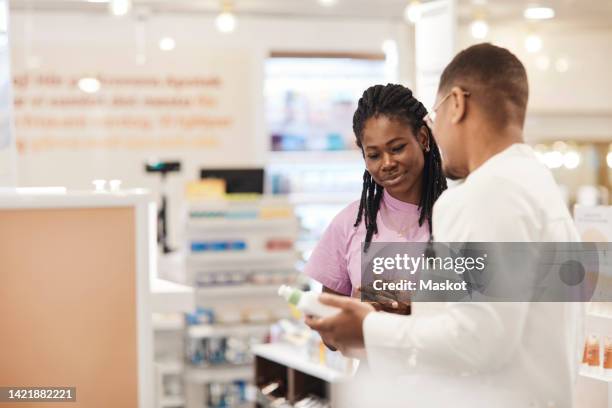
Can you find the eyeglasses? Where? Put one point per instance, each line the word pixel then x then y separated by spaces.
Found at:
pixel 431 116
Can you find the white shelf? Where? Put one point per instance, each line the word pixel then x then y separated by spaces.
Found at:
pixel 596 375
pixel 162 322
pixel 221 330
pixel 599 324
pixel 220 374
pixel 292 357
pixel 169 297
pixel 225 224
pixel 236 257
pixel 169 367
pixel 249 289
pixel 248 202
pixel 172 402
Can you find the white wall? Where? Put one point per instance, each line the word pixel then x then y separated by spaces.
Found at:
pixel 576 104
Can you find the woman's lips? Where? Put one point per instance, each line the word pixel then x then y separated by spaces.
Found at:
pixel 390 182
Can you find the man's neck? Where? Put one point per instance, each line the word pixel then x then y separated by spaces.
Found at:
pixel 486 143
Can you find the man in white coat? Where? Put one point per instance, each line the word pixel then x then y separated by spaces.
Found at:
pixel 509 354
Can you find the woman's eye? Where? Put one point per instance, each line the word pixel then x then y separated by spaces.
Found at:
pixel 398 149
pixel 372 156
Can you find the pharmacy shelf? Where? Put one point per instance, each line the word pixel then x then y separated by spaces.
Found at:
pixel 211 225
pixel 169 297
pixel 241 257
pixel 224 373
pixel 173 322
pixel 169 367
pixel 599 324
pixel 596 374
pixel 172 402
pixel 232 291
pixel 221 330
pixel 292 357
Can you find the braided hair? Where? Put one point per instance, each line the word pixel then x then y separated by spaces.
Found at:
pixel 396 102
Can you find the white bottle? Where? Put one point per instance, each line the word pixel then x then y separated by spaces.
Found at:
pixel 307 302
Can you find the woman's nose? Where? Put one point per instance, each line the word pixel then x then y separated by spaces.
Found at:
pixel 388 162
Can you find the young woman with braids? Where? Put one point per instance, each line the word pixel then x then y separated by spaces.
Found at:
pixel 402 180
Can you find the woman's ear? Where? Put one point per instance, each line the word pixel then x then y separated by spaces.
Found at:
pixel 423 138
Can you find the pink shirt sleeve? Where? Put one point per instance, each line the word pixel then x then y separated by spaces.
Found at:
pixel 328 262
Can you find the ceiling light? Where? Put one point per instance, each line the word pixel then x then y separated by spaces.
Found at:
pixel 553 159
pixel 328 3
pixel 571 159
pixel 479 29
pixel 120 7
pixel 167 44
pixel 533 43
pixel 538 13
pixel 226 22
pixel 412 13
pixel 89 85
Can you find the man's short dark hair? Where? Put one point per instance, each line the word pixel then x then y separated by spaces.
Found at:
pixel 496 79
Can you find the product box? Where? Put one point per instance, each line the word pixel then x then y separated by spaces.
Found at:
pixel 594 223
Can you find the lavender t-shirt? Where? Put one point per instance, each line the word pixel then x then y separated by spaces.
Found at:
pixel 336 260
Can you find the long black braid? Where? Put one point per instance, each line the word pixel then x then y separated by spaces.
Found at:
pixel 396 102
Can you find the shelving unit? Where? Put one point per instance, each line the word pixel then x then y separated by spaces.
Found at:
pixel 224 373
pixel 235 270
pixel 219 330
pixel 599 324
pixel 298 376
pixel 169 301
pixel 169 402
pixel 597 375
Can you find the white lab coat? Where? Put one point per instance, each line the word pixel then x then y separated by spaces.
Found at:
pixel 501 354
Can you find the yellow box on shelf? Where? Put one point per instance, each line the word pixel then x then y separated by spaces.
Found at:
pixel 208 188
pixel 275 212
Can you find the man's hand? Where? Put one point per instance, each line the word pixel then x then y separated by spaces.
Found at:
pixel 345 329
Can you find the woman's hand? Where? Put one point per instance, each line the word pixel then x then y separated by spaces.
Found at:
pixel 384 301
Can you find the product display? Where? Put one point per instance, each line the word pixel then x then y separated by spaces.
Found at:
pixel 220 277
pixel 221 350
pixel 597 355
pixel 226 395
pixel 172 385
pixel 202 246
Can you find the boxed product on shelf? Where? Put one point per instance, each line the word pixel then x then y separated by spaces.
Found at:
pixel 594 223
pixel 226 394
pixel 597 356
pixel 213 351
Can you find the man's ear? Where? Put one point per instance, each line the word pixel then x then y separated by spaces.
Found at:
pixel 458 105
pixel 423 138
